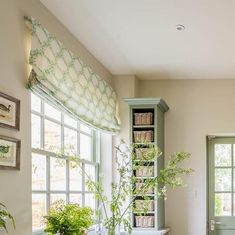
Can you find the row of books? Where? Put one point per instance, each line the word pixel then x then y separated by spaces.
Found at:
pixel 143 118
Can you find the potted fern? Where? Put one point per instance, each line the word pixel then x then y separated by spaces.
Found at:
pixel 4 217
pixel 70 219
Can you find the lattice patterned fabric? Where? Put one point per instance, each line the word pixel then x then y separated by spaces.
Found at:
pixel 62 78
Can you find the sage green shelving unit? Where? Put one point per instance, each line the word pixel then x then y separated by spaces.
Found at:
pixel 157 107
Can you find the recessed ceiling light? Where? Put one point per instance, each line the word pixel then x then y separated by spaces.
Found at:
pixel 180 27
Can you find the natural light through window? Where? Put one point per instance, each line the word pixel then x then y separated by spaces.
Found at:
pixel 53 177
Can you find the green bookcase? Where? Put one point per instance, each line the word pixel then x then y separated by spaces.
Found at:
pixel 146 129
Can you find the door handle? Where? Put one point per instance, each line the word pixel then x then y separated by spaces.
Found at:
pixel 213 223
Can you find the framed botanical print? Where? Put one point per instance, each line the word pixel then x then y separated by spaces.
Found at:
pixel 9 153
pixel 9 112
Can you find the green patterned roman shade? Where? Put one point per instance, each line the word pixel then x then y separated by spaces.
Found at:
pixel 64 79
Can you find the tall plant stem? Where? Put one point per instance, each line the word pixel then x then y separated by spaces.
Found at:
pixel 96 188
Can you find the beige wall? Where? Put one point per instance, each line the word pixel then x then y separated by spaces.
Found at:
pixel 15 186
pixel 197 108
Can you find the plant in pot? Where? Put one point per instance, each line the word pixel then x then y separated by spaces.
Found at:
pixel 68 219
pixel 4 217
pixel 115 213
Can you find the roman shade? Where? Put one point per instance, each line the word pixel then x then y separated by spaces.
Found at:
pixel 64 79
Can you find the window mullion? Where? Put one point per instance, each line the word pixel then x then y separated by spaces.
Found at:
pixel 83 184
pixel 67 181
pixel 48 182
pixel 42 126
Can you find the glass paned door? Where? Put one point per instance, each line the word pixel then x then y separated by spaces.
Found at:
pixel 221 186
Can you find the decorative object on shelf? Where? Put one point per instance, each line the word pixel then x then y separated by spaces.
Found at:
pixel 144 171
pixel 144 221
pixel 9 112
pixel 116 213
pixel 70 219
pixel 4 217
pixel 143 136
pixel 9 153
pixel 143 118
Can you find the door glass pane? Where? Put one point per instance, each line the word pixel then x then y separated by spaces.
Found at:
pixel 52 136
pixel 223 204
pixel 36 131
pixel 75 198
pixel 223 155
pixel 38 172
pixel 85 147
pixel 223 179
pixel 90 171
pixel 57 197
pixel 70 121
pixel 75 178
pixel 90 200
pixel 58 174
pixel 38 210
pixel 35 103
pixel 70 141
pixel 52 112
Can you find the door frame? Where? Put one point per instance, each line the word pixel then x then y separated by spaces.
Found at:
pixel 208 138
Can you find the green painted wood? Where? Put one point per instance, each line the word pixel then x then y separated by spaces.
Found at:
pixel 227 223
pixel 160 107
pixel 148 101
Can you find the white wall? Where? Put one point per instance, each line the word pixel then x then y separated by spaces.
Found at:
pixel 197 108
pixel 15 186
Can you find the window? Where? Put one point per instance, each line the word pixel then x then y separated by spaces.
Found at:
pixel 56 178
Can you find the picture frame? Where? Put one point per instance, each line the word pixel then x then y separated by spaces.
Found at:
pixel 9 112
pixel 9 153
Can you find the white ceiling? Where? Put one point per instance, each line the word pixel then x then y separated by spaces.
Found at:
pixel 140 37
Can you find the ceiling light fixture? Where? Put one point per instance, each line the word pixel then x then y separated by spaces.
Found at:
pixel 180 27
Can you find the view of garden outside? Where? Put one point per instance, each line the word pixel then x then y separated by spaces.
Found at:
pixel 55 178
pixel 224 180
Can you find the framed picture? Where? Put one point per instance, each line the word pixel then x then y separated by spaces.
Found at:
pixel 9 153
pixel 9 112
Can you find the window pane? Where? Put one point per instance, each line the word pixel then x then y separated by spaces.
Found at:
pixel 38 172
pixel 90 200
pixel 85 128
pixel 58 174
pixel 35 103
pixel 85 147
pixel 57 197
pixel 90 171
pixel 75 178
pixel 52 112
pixel 70 141
pixel 36 131
pixel 223 179
pixel 70 121
pixel 38 210
pixel 52 136
pixel 223 155
pixel 223 204
pixel 75 198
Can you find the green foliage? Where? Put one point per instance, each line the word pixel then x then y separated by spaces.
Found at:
pixel 117 211
pixel 4 216
pixel 70 219
pixel 218 205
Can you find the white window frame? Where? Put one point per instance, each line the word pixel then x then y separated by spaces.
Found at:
pixel 95 161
